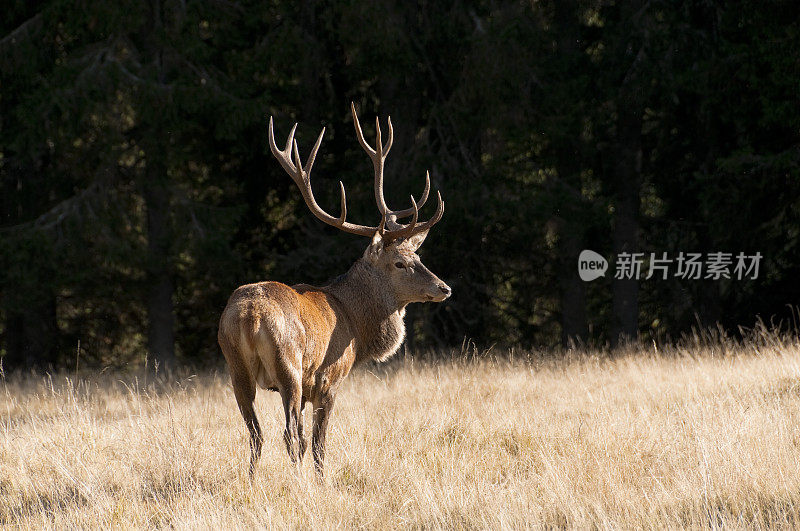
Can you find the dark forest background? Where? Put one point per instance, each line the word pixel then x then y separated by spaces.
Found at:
pixel 137 189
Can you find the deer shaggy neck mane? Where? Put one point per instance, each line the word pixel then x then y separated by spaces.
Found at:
pixel 374 314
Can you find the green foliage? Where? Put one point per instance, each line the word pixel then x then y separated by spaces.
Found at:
pixel 516 108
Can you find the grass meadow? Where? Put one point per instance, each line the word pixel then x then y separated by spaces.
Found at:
pixel 700 436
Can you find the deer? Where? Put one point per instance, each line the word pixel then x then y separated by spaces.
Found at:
pixel 302 341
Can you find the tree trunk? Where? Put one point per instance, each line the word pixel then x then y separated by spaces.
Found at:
pixel 627 176
pixel 574 326
pixel 627 162
pixel 626 226
pixel 31 336
pixel 156 193
pixel 160 320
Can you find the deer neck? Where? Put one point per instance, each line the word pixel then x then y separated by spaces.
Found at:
pixel 375 315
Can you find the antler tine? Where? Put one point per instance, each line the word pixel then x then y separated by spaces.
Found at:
pixel 343 215
pixel 413 228
pixel 359 134
pixel 382 150
pixel 409 211
pixel 301 175
pixel 284 156
pixel 389 142
pixel 314 152
pixel 377 157
pixel 291 136
pixel 378 143
pixel 408 229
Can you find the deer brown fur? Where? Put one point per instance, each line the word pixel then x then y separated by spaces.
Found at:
pixel 302 340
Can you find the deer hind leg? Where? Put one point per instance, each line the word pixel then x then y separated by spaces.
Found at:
pixel 303 440
pixel 244 388
pixel 292 396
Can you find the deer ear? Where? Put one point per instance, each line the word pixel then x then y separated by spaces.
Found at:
pixel 413 243
pixel 375 247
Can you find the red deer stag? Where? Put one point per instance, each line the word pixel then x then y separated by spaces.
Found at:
pixel 302 340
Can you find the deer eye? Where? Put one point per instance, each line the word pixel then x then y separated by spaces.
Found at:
pixel 399 265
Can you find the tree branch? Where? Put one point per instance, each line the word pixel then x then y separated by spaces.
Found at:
pixel 12 37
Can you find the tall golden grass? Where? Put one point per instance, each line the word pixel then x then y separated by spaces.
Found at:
pixel 704 435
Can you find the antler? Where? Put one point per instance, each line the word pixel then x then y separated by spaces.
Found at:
pixel 302 178
pixel 378 156
pixel 301 175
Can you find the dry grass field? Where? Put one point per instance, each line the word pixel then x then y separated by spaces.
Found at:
pixel 694 437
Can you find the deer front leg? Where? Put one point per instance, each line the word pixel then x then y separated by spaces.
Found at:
pixel 322 412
